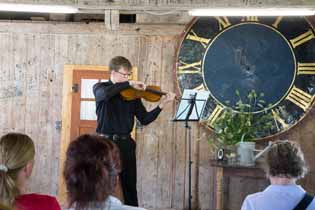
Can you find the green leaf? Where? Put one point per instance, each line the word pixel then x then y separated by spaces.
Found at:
pixel 243 124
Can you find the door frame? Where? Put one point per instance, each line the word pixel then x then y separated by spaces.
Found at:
pixel 66 118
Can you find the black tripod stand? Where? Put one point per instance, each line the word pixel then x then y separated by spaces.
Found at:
pixel 185 115
pixel 188 130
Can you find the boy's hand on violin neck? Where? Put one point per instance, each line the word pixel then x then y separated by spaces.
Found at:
pixel 137 85
pixel 166 99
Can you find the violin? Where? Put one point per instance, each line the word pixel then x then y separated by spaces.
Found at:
pixel 152 93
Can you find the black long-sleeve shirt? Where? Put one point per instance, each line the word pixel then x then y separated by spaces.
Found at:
pixel 116 115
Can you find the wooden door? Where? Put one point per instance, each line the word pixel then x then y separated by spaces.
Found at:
pixel 83 118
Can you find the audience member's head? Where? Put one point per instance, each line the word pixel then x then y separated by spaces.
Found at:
pixel 285 160
pixel 91 168
pixel 17 154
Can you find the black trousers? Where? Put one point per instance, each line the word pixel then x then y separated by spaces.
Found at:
pixel 128 175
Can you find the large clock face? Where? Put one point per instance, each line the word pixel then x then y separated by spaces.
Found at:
pixel 271 55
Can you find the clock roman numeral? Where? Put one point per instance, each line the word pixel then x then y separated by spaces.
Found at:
pixel 276 23
pixel 199 87
pixel 214 115
pixel 306 68
pixel 223 22
pixel 189 68
pixel 300 98
pixel 302 38
pixel 250 19
pixel 193 36
pixel 278 119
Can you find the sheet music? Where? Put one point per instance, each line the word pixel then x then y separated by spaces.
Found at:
pixel 183 107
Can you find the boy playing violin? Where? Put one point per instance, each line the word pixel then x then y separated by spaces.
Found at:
pixel 115 119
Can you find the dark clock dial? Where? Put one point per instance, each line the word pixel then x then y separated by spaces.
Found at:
pixel 271 55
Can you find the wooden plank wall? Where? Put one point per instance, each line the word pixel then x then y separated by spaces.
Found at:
pixel 31 62
pixel 168 4
pixel 31 93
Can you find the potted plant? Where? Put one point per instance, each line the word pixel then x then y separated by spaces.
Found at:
pixel 241 124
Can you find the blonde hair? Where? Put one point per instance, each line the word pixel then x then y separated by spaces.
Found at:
pixel 16 150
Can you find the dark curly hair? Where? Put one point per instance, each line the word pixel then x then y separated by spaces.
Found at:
pixel 285 159
pixel 90 171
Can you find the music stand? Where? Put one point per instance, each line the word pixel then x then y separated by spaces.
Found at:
pixel 190 109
